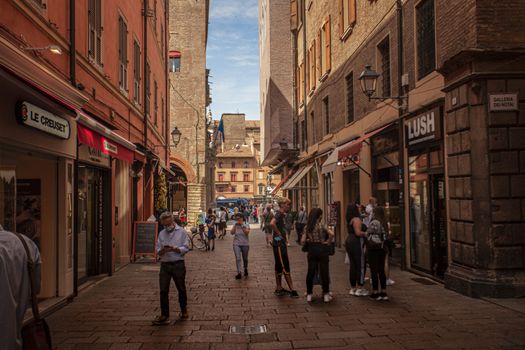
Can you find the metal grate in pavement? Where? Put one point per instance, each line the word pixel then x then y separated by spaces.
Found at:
pixel 248 329
pixel 424 281
pixel 150 268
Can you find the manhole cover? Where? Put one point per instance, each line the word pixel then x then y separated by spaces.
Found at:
pixel 423 281
pixel 248 329
pixel 151 268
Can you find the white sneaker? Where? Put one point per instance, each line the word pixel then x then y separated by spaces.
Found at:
pixel 353 291
pixel 390 282
pixel 362 292
pixel 327 298
pixel 309 298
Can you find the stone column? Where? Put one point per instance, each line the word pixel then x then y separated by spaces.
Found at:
pixel 486 168
pixel 196 200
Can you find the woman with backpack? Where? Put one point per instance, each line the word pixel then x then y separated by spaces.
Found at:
pixel 376 236
pixel 355 251
pixel 317 240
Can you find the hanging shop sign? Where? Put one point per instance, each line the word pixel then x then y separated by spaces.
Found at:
pixel 503 102
pixel 425 127
pixel 38 118
pixel 93 156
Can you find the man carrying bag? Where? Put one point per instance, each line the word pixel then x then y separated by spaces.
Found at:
pixel 19 253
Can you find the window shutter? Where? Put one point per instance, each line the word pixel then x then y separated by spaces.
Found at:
pixel 98 30
pixel 307 68
pixel 91 28
pixel 312 64
pixel 319 55
pixel 352 12
pixel 293 14
pixel 341 17
pixel 328 44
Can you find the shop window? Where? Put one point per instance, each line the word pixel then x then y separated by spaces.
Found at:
pixel 425 38
pixel 384 54
pixel 350 98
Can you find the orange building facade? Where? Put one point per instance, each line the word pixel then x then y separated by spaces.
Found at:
pixel 83 130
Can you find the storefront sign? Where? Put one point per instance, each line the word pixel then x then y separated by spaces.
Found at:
pixel 425 127
pixel 111 148
pixel 503 102
pixel 40 119
pixel 93 156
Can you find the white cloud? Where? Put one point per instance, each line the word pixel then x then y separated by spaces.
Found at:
pixel 234 9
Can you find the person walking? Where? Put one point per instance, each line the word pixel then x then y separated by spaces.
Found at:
pixel 317 239
pixel 280 250
pixel 354 249
pixel 172 245
pixel 241 244
pixel 266 224
pixel 376 236
pixel 222 222
pixel 15 292
pixel 300 223
pixel 210 222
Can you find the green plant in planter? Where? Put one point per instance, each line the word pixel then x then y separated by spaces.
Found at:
pixel 161 191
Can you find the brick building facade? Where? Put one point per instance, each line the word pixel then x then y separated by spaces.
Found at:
pixel 189 99
pixel 79 166
pixel 455 204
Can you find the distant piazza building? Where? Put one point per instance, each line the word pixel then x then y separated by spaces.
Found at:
pixel 238 171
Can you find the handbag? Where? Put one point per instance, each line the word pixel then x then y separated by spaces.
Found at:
pixel 35 334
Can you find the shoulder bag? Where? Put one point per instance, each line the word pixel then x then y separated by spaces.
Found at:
pixel 35 334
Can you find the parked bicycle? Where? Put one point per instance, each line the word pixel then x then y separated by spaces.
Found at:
pixel 199 239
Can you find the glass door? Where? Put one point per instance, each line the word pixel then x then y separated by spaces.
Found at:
pixel 439 228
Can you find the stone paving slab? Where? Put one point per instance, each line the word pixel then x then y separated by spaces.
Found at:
pixel 117 312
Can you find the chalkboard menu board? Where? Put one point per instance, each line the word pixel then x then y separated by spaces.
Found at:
pixel 144 238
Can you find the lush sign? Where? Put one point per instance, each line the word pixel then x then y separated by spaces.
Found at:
pixel 423 128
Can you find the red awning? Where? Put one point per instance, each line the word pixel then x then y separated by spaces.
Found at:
pixel 355 146
pixel 93 139
pixel 280 184
pixel 174 54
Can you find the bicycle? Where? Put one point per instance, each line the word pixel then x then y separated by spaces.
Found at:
pixel 199 239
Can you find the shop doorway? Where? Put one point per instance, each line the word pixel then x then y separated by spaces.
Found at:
pixel 427 214
pixel 93 215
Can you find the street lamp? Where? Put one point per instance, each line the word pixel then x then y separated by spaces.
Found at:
pixel 55 49
pixel 368 81
pixel 175 136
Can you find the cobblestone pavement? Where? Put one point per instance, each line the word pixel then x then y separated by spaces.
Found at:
pixel 117 312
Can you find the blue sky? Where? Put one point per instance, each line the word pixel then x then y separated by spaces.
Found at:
pixel 233 57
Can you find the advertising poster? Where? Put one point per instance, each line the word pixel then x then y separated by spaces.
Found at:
pixel 28 208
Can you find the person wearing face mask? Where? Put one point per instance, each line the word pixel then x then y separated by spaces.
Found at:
pixel 172 245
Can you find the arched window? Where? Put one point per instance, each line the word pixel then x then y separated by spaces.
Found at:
pixel 174 64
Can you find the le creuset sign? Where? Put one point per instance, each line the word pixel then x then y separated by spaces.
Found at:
pixel 38 118
pixel 425 127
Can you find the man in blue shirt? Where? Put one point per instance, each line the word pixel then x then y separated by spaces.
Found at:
pixel 172 245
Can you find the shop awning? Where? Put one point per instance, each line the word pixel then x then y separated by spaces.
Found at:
pixel 95 135
pixel 281 183
pixel 166 169
pixel 297 177
pixel 355 146
pixel 331 162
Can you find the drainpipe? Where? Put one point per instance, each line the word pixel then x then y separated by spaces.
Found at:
pixel 146 79
pixel 304 76
pixel 401 111
pixel 72 44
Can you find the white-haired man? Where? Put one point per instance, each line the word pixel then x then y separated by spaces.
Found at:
pixel 172 245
